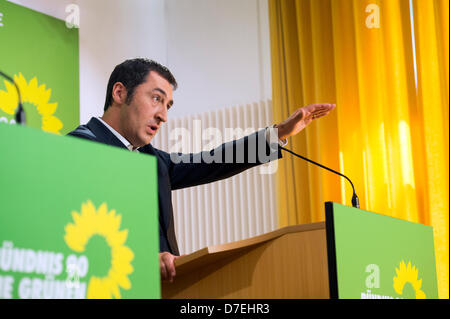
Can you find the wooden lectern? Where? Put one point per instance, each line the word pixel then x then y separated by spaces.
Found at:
pixel 354 254
pixel 290 262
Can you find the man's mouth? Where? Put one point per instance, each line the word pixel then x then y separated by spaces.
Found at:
pixel 152 128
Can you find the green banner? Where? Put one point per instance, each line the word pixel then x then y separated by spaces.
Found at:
pixel 78 219
pixel 372 256
pixel 41 54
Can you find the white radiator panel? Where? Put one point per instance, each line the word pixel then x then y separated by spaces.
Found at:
pixel 229 210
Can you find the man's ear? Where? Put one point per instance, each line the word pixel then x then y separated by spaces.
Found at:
pixel 119 93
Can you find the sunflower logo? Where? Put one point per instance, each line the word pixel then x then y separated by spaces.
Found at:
pixel 37 95
pixel 408 274
pixel 100 222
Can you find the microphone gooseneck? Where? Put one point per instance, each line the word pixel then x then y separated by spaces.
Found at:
pixel 355 199
pixel 20 112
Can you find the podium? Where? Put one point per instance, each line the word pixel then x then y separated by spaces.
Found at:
pixel 73 222
pixel 257 267
pixel 354 254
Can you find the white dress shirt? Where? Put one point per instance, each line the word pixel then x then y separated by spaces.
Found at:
pixel 120 137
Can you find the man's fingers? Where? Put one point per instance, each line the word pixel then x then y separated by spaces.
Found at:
pixel 320 114
pixel 167 266
pixel 322 111
pixel 170 270
pixel 315 109
pixel 324 108
pixel 302 117
pixel 163 269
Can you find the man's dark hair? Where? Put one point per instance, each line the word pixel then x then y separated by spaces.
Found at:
pixel 132 73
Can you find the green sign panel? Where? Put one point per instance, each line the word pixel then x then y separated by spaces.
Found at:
pixel 41 54
pixel 78 219
pixel 372 256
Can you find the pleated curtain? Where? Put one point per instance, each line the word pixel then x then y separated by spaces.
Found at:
pixel 385 65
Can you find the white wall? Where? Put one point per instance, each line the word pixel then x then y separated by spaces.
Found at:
pixel 218 50
pixel 112 31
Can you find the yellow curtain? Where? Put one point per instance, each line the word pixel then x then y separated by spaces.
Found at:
pixel 389 132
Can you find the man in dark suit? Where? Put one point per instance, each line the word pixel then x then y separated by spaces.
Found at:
pixel 139 95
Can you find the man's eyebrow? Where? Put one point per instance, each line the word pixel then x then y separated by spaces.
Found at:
pixel 164 93
pixel 160 90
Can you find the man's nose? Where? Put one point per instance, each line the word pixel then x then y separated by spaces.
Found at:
pixel 162 114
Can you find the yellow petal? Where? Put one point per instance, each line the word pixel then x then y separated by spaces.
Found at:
pixel 117 238
pixel 123 253
pixel 122 266
pixel 51 124
pixel 9 99
pixel 76 217
pixel 121 279
pixel 98 289
pixel 46 109
pixel 398 286
pixel 420 295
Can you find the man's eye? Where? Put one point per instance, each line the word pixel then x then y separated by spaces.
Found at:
pixel 156 98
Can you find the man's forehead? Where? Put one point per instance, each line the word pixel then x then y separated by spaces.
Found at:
pixel 154 76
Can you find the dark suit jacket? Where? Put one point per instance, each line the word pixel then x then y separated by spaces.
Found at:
pixel 173 174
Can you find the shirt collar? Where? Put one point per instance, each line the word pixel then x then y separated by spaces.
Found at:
pixel 120 137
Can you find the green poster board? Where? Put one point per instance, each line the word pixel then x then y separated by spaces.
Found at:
pixel 41 54
pixel 372 256
pixel 78 219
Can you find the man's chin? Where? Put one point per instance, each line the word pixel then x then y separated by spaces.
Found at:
pixel 148 138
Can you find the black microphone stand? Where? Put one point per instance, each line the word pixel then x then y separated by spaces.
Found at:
pixel 355 199
pixel 20 112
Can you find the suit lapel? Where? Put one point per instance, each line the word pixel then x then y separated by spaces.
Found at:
pixel 103 134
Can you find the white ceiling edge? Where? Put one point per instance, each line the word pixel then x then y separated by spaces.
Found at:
pixel 54 8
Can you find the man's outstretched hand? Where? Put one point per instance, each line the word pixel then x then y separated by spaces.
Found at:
pixel 301 118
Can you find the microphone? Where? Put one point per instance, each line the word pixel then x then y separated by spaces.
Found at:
pixel 355 199
pixel 20 112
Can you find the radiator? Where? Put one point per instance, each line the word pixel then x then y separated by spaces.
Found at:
pixel 233 209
